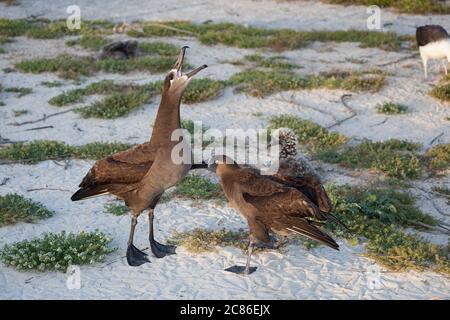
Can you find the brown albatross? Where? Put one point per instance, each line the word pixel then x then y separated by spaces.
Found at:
pixel 141 174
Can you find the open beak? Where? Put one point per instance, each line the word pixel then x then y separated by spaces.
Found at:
pixel 179 64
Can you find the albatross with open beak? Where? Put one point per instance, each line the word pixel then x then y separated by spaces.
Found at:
pixel 141 174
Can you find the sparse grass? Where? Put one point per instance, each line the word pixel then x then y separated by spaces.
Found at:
pixel 310 134
pixel 201 240
pixel 117 209
pixel 116 105
pixel 438 157
pixel 52 84
pixel 90 41
pixel 20 90
pixel 70 67
pixel 200 90
pixel 276 62
pixel 443 192
pixel 197 188
pixel 250 37
pixel 391 108
pixel 259 83
pixel 406 6
pixel 396 158
pixel 40 150
pixel 46 29
pixel 18 113
pixel 15 208
pixel 379 215
pixel 121 99
pixel 55 252
pixel 442 91
pixel 158 48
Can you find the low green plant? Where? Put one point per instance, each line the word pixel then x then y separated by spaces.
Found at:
pixel 14 208
pixel 396 158
pixel 20 90
pixel 56 252
pixel 442 91
pixel 391 108
pixel 90 41
pixel 241 36
pixel 117 209
pixel 197 187
pixel 407 6
pixel 438 157
pixel 379 216
pixel 201 240
pixel 40 150
pixel 200 90
pixel 52 84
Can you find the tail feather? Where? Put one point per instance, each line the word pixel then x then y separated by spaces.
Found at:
pixel 89 193
pixel 337 221
pixel 306 229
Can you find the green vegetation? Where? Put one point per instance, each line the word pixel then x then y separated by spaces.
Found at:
pixel 200 90
pixel 442 91
pixel 46 29
pixel 20 90
pixel 310 134
pixel 407 6
pixel 18 113
pixel 14 208
pixel 158 48
pixel 40 150
pixel 196 187
pixel 52 84
pixel 70 67
pixel 91 42
pixel 116 105
pixel 391 108
pixel 379 215
pixel 438 157
pixel 396 158
pixel 201 240
pixel 117 209
pixel 121 99
pixel 259 83
pixel 250 37
pixel 55 252
pixel 276 62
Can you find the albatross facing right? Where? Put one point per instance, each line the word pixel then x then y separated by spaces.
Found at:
pixel 269 206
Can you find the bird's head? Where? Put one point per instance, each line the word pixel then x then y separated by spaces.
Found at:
pixel 175 81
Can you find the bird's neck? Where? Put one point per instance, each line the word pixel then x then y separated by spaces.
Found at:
pixel 167 120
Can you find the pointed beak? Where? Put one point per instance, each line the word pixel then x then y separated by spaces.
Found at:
pixel 195 71
pixel 179 63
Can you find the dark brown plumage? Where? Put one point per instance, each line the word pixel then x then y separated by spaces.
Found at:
pixel 141 174
pixel 274 206
pixel 430 33
pixel 120 50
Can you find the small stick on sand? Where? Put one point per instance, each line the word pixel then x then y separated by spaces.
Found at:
pixel 353 113
pixel 398 60
pixel 435 138
pixel 291 100
pixel 45 117
pixel 380 123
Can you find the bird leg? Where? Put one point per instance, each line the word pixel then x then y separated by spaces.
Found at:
pixel 158 249
pixel 247 269
pixel 135 257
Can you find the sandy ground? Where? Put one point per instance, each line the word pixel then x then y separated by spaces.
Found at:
pixel 320 273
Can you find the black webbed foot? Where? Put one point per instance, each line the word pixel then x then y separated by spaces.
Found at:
pixel 136 257
pixel 161 250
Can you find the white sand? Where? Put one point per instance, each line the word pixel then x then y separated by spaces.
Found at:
pixel 320 273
